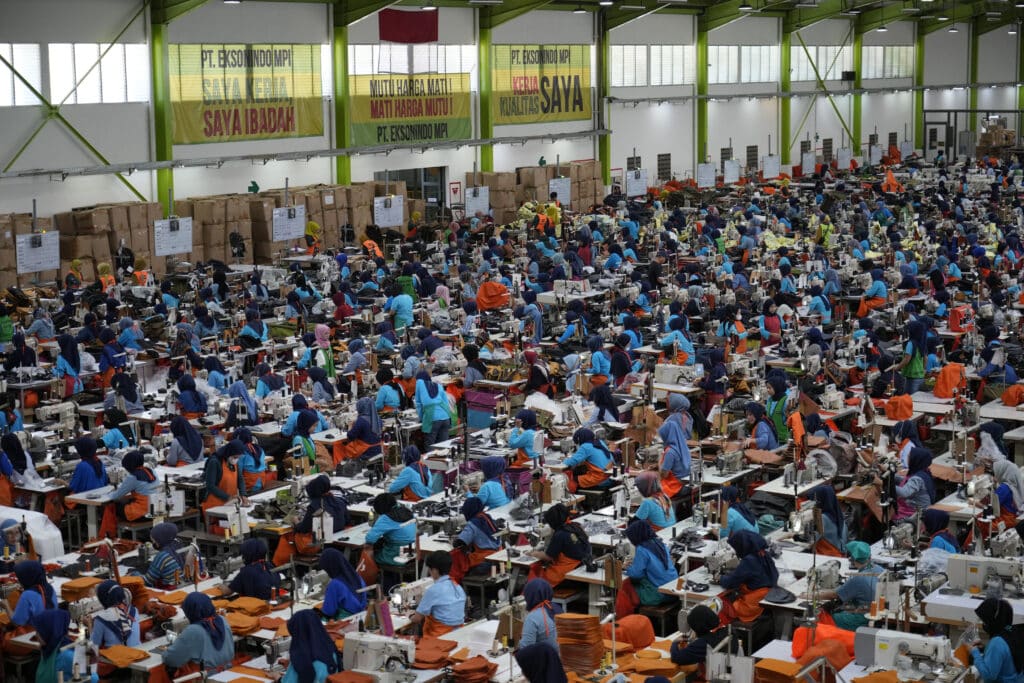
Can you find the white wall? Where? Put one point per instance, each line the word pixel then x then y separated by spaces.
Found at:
pixel 535 28
pixel 898 33
pixel 656 29
pixel 254 22
pixel 828 32
pixel 749 30
pixel 455 26
pixel 997 57
pixel 947 56
pixel 747 122
pixel 69 21
pixel 654 129
pixel 887 112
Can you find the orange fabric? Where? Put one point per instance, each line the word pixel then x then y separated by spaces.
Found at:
pixel 254 607
pixel 899 407
pixel 795 423
pixel 122 656
pixel 670 484
pixel 350 677
pixel 141 277
pixel 228 484
pixel 462 562
pixel 251 479
pixel 522 459
pixel 555 572
pixel 137 587
pixel 747 607
pixel 741 346
pixel 831 650
pixel 373 249
pixel 79 588
pixel 1013 396
pixel 173 598
pixel 108 522
pixel 822 632
pixel 823 547
pixel 137 507
pixel 349 450
pixel 491 295
pixel 433 628
pixel 868 305
pixel 594 476
pixel 951 377
pixel 890 184
pixel 242 624
pixel 12 648
pixel 635 629
pixel 6 492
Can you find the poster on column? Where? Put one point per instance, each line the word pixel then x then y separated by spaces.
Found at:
pixel 37 252
pixel 289 223
pixel 808 161
pixel 394 109
pixel 172 236
pixel 540 84
pixel 706 175
pixel 844 158
pixel 771 167
pixel 874 155
pixel 906 149
pixel 229 93
pixel 636 183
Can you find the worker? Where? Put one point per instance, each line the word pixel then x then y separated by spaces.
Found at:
pixel 1009 490
pixel 733 515
pixel 74 278
pixel 19 354
pixel 676 346
pixel 875 296
pixel 257 331
pixel 675 431
pixel 391 393
pixel 752 578
pixel 345 594
pixel 106 278
pixel 706 635
pixel 917 491
pixel 475 541
pixel 312 238
pixel 137 488
pixel 118 622
pixel 256 579
pixel 399 305
pixel 36 593
pixel 90 473
pixel 775 404
pixel 112 358
pixel 253 462
pixel 187 446
pixel 655 508
pixel 496 490
pixel 207 640
pixel 600 363
pixel 123 390
pixel 567 548
pixel 223 477
pixel 770 324
pixel 323 390
pixel 605 407
pixel 762 429
pixel 363 440
pixel 858 591
pixel 168 568
pixel 191 402
pixel 413 482
pixel 442 608
pixel 1003 658
pixel 216 374
pixel 936 526
pixel 394 527
pixel 915 352
pixel 313 656
pixel 522 438
pixel 590 466
pixel 432 408
pixel 651 568
pixel 539 625
pixel 833 539
pixel 68 366
pixel 56 663
pixel 141 276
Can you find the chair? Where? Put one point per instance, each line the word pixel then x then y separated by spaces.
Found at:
pixel 568 592
pixel 483 582
pixel 662 616
pixel 14 667
pixel 753 634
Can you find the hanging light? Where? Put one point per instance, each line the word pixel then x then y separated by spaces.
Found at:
pixel 579 10
pixel 605 3
pixel 1012 30
pixel 954 29
pixel 882 29
pixel 232 2
pixel 429 6
pixel 746 6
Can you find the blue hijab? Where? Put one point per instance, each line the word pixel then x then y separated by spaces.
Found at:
pixel 238 390
pixel 918 462
pixel 334 563
pixel 198 609
pixel 51 626
pixel 473 511
pixel 187 435
pixel 310 643
pixel 640 534
pixel 824 497
pixel 731 495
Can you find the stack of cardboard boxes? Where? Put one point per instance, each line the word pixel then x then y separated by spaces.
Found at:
pixel 18 224
pixel 213 221
pixel 994 140
pixel 509 191
pixel 94 235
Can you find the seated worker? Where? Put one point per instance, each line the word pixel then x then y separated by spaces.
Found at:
pixel 705 637
pixel 36 593
pixel 1009 490
pixel 299 403
pixel 590 466
pixel 858 591
pixel 656 509
pixel 540 663
pixel 443 606
pixel 568 547
pixel 168 568
pixel 257 331
pixel 191 402
pixel 476 540
pixel 539 624
pixel 733 515
pixel 267 381
pixel 675 431
pixel 389 396
pixel 521 437
pixel 68 366
pixel 118 622
pixel 19 355
pixel 917 490
pixel 186 446
pixel 343 597
pixel 117 431
pixel 253 462
pixel 242 411
pixel 888 382
pixel 256 579
pixel 762 429
pixel 1003 658
pixel 833 525
pixel 752 579
pixel 138 486
pixel 130 334
pixel 496 489
pixel 936 526
pixel 313 656
pixel 651 568
pixel 432 407
pixel 223 477
pixel 323 389
pixel 363 439
pixel 321 497
pixel 113 357
pixel 123 389
pixel 600 363
pixel 393 528
pixel 875 296
pixel 413 482
pixel 216 374
pixel 302 438
pixel 207 639
pixel 56 662
pixel 90 473
pixel 676 346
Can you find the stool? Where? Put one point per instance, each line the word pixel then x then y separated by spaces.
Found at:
pixel 753 634
pixel 14 667
pixel 596 499
pixel 662 616
pixel 134 529
pixel 73 527
pixel 482 582
pixel 568 592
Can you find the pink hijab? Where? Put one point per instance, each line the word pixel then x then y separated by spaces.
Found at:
pixel 323 336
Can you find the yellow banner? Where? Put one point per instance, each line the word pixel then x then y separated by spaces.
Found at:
pixel 396 109
pixel 540 84
pixel 227 93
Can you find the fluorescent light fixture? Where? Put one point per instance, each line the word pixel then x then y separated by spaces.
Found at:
pixel 429 6
pixel 606 3
pixel 579 10
pixel 882 29
pixel 669 2
pixel 232 2
pixel 1012 30
pixel 942 17
pixel 485 2
pixel 852 12
pixel 634 8
pixel 954 29
pixel 746 7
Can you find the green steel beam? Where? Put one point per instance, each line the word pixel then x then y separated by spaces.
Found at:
pixel 963 11
pixel 702 91
pixel 350 11
pixel 989 26
pixel 802 17
pixel 490 17
pixel 858 63
pixel 876 18
pixel 919 41
pixel 1020 81
pixel 604 142
pixel 342 127
pixel 621 18
pixel 166 11
pixel 110 46
pixel 972 93
pixel 485 59
pixel 785 83
pixel 821 84
pixel 722 13
pixel 163 121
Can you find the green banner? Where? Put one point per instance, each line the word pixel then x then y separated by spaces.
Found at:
pixel 403 109
pixel 540 84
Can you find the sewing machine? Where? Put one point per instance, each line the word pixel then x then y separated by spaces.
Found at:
pixel 313 586
pixel 65 414
pixel 791 475
pixel 720 561
pixel 388 659
pixel 876 648
pixel 171 504
pixel 739 365
pixel 279 405
pixel 729 462
pixel 406 596
pixel 979 487
pixel 229 565
pixel 675 374
pixel 1006 544
pixel 973 573
pixel 832 399
pixel 900 538
pixel 276 649
pixel 802 521
pixel 825 576
pixel 80 609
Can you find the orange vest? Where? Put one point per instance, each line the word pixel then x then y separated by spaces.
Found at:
pixel 106 282
pixel 141 277
pixel 373 248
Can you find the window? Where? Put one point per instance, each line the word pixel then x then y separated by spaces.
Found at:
pixel 25 58
pixel 759 63
pixel 388 58
pixel 888 61
pixel 628 66
pixel 723 63
pixel 122 75
pixel 831 60
pixel 667 65
pixel 664 167
pixel 633 163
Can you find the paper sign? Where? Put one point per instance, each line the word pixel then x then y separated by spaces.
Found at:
pixel 771 167
pixel 39 251
pixel 808 161
pixel 478 200
pixel 844 158
pixel 705 175
pixel 387 211
pixel 906 149
pixel 874 154
pixel 172 236
pixel 563 186
pixel 731 172
pixel 289 223
pixel 636 182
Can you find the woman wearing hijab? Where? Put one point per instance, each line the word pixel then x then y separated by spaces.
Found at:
pixel 539 624
pixel 432 407
pixel 995 432
pixel 253 462
pixel 414 481
pixel 363 439
pixel 256 578
pixel 112 358
pixel 323 390
pixel 313 656
pixel 257 331
pixel 734 516
pixel 37 594
pixel 267 381
pixel 875 296
pixel 775 404
pixel 539 378
pixel 118 622
pixel 605 409
pixel 394 528
pixel 762 429
pixel 936 526
pixel 187 446
pixel 820 305
pixel 540 663
pixel 706 636
pixel 344 596
pixel 676 346
pixel 856 592
pixel 242 410
pixel 752 579
pixel 655 508
pixel 55 663
pixel 1010 490
pixel 770 324
pixel 476 540
pixel 191 402
pixel 592 462
pixel 13 463
pixel 568 547
pixel 651 568
pixel 207 640
pixel 19 355
pixel 321 497
pixel 600 364
pixel 904 439
pixel 167 569
pixel 522 437
pixel 1003 658
pixel 216 375
pixel 69 365
pixel 123 389
pixel 139 485
pixel 917 491
pixel 90 473
pixel 889 382
pixel 495 491
pixel 223 476
pixel 675 431
pixel 912 365
pixel 833 540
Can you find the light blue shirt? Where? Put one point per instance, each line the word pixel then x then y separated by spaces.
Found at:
pixel 539 627
pixel 104 636
pixel 492 493
pixel 445 601
pixel 387 397
pixel 410 477
pixel 523 438
pixel 736 522
pixel 653 513
pixel 646 565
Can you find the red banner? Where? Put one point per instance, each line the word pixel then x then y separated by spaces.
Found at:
pixel 416 26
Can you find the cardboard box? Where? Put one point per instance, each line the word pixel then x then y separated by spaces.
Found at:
pixel 505 181
pixel 184 208
pixel 244 228
pixel 213 234
pixel 8 277
pixel 598 189
pixel 158 265
pixel 340 197
pixel 503 199
pixel 154 213
pixel 261 209
pixel 142 240
pixel 210 211
pixel 100 248
pixel 534 176
pixel 65 223
pixel 92 221
pixel 138 216
pixel 88 270
pixel 119 218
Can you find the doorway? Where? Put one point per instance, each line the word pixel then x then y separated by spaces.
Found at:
pixel 428 184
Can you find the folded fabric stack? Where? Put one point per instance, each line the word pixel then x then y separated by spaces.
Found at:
pixel 580 642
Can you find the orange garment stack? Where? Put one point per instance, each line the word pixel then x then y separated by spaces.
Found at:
pixel 474 670
pixel 79 588
pixel 580 642
pixel 253 607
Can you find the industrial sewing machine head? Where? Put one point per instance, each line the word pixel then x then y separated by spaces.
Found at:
pixel 832 399
pixel 720 561
pixel 388 659
pixel 825 576
pixel 405 597
pixel 802 521
pixel 64 414
pixel 914 656
pixel 229 565
pixel 980 574
pixel 1005 544
pixel 729 462
pixel 275 649
pixel 792 475
pixel 313 586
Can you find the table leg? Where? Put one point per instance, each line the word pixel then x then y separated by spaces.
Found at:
pixel 90 516
pixel 594 596
pixel 1018 452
